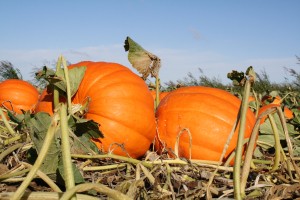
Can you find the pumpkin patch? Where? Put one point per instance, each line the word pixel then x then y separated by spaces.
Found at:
pixel 96 125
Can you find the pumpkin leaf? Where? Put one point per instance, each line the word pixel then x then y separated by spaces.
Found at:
pixel 143 61
pixel 267 140
pixel 45 73
pixel 76 75
pixel 84 130
pixel 266 127
pixel 38 125
pixel 78 178
pixel 54 79
pixel 266 131
pixel 57 79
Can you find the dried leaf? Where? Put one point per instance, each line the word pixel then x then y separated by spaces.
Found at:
pixel 238 78
pixel 143 61
pixel 251 73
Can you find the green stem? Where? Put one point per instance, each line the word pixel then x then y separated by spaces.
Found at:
pixel 9 150
pixel 277 143
pixel 69 97
pixel 11 140
pixel 66 153
pixel 105 167
pixel 14 174
pixel 239 149
pixel 248 156
pixel 288 140
pixel 157 86
pixel 113 156
pixel 8 126
pixel 55 90
pixel 45 178
pixel 42 155
pixel 44 195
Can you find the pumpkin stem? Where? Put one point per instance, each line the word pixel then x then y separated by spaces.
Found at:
pixel 55 90
pixel 157 86
pixel 238 193
pixel 6 123
pixel 65 144
pixel 69 96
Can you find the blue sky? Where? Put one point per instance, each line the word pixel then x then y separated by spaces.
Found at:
pixel 216 36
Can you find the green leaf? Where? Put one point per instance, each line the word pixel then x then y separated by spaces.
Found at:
pixel 76 75
pixel 45 73
pixel 268 139
pixel 84 130
pixel 143 61
pixel 38 125
pixel 57 79
pixel 78 178
pixel 266 127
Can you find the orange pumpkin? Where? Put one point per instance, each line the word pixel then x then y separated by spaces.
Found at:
pixel 208 113
pixel 120 102
pixel 17 95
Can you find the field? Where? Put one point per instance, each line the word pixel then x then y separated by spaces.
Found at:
pixel 47 150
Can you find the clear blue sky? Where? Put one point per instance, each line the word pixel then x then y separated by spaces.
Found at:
pixel 216 36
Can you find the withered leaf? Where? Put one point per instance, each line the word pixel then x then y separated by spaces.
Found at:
pixel 143 61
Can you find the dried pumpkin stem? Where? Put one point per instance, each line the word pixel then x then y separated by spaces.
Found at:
pixel 176 148
pixel 42 155
pixel 9 150
pixel 11 140
pixel 238 159
pixel 113 156
pixel 114 194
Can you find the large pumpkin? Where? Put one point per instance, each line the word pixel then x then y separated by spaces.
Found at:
pixel 17 95
pixel 208 113
pixel 120 102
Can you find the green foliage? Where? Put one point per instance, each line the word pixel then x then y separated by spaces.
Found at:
pixel 262 85
pixel 8 71
pixel 58 80
pixel 191 80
